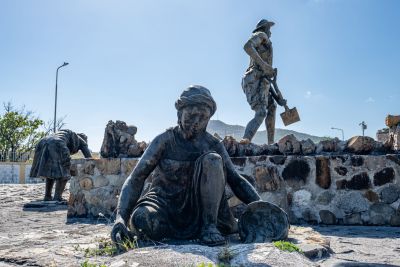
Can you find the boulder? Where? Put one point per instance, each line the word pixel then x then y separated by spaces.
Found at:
pixel 119 141
pixel 330 145
pixel 308 147
pixel 289 145
pixel 361 145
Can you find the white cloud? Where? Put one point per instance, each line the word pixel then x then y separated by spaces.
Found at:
pixel 369 100
pixel 308 94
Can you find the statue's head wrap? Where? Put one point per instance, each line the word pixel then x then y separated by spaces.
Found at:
pixel 196 95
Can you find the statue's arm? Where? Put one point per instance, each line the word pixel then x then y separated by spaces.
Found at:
pixel 250 48
pixel 133 185
pixel 240 186
pixel 84 148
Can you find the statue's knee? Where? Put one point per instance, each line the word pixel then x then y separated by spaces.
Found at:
pixel 262 113
pixel 148 221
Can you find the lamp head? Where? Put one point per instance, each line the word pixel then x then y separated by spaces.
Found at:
pixel 65 63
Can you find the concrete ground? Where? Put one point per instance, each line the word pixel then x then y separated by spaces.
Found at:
pixel 41 236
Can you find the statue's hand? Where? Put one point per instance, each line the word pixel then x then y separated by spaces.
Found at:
pixel 119 233
pixel 282 102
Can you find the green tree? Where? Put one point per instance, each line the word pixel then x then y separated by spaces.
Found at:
pixel 19 130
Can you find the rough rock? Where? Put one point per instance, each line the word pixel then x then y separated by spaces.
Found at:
pixel 351 202
pixel 308 147
pixel 330 145
pixel 119 141
pixel 361 144
pixel 296 170
pixel 384 176
pixel 325 198
pixel 357 182
pixel 371 196
pixel 323 172
pixel 327 217
pixel 289 145
pixel 390 194
pixel 267 178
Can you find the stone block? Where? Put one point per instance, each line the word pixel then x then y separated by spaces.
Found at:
pixel 384 176
pixel 289 145
pixel 356 161
pixel 342 171
pixel 390 194
pixel 327 217
pixel 108 166
pixel 86 183
pixel 380 213
pixel 361 144
pixel 127 166
pixel 100 181
pixel 357 182
pixel 352 219
pixel 325 198
pixel 371 196
pixel 297 170
pixel 323 172
pixel 278 160
pixel 267 178
pixel 351 202
pixel 308 147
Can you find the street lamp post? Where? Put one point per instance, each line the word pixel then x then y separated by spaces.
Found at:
pixel 55 100
pixel 333 128
pixel 363 127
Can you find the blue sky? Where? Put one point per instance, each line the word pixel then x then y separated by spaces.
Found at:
pixel 338 60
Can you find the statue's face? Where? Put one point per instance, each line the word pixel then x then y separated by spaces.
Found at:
pixel 267 30
pixel 194 120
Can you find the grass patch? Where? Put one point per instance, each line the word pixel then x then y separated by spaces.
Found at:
pixel 225 256
pixel 211 265
pixel 287 246
pixel 86 263
pixel 106 247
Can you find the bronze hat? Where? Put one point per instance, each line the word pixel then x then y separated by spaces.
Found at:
pixel 263 23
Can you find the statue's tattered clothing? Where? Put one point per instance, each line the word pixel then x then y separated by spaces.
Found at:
pixel 52 154
pixel 254 82
pixel 175 191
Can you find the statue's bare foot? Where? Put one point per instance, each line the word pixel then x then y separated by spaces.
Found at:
pixel 211 236
pixel 245 141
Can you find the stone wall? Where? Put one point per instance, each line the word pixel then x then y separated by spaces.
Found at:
pixel 331 189
pixel 16 173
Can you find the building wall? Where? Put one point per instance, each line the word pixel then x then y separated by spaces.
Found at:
pixel 16 173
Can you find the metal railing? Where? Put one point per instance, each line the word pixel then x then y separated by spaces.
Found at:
pixel 14 156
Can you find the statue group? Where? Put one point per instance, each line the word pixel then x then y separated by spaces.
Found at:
pixel 190 168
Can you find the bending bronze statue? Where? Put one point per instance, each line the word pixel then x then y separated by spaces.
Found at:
pixel 191 168
pixel 52 160
pixel 256 82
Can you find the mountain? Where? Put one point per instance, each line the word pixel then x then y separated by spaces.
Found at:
pixel 223 129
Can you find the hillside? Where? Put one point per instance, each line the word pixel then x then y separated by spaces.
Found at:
pixel 223 129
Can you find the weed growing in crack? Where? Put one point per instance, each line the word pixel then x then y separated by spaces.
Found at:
pixel 287 246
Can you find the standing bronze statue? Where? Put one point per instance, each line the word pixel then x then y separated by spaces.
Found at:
pixel 191 168
pixel 257 81
pixel 52 160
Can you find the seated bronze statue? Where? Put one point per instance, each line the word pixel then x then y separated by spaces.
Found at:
pixel 52 160
pixel 187 198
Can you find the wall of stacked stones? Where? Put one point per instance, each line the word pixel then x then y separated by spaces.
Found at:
pixel 334 189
